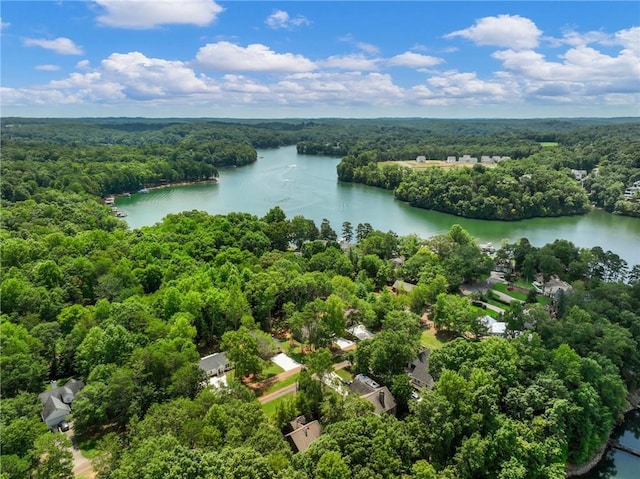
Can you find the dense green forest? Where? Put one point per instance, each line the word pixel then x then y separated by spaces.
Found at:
pixel 537 182
pixel 131 312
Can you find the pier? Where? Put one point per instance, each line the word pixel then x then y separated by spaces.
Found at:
pixel 621 447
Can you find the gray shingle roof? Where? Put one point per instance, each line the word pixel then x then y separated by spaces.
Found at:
pixel 214 362
pixel 52 405
pixel 71 386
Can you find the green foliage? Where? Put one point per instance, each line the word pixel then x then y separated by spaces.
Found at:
pixel 242 350
pixel 132 311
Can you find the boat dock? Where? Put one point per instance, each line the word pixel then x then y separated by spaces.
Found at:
pixel 622 447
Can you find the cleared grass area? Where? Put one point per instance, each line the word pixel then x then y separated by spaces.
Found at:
pixel 414 165
pixel 276 386
pixel 344 374
pixel 270 407
pixel 87 446
pixel 293 349
pixel 544 300
pixel 514 294
pixel 271 370
pixel 430 340
pixel 547 144
pixel 488 312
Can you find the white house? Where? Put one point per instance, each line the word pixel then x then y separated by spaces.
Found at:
pixel 360 332
pixel 421 159
pixel 494 327
pixel 215 364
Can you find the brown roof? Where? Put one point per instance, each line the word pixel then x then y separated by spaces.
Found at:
pixel 305 435
pixel 382 400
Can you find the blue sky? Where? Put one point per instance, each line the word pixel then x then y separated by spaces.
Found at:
pixel 200 58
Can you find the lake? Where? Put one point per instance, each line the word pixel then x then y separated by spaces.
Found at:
pixel 307 185
pixel 619 464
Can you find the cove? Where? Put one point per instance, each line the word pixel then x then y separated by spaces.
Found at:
pixel 307 185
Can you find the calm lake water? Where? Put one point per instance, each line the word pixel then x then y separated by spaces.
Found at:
pixel 619 464
pixel 307 185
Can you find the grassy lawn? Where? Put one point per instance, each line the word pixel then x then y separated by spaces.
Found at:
pixel 344 374
pixel 281 384
pixel 489 312
pixel 270 407
pixel 87 446
pixel 271 370
pixel 293 349
pixel 414 165
pixel 544 300
pixel 514 294
pixel 430 340
pixel 547 144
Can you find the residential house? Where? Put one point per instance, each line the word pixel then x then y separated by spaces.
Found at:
pixel 418 370
pixel 494 327
pixel 402 287
pixel 421 159
pixel 303 433
pixel 360 332
pixel 215 364
pixel 56 403
pixel 379 396
pixel 632 190
pixel 579 175
pixel 451 159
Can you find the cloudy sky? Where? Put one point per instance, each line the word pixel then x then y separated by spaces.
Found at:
pixel 205 58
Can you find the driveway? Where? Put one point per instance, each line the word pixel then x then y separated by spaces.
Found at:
pixel 82 467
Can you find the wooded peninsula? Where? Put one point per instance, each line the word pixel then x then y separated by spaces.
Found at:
pixel 416 357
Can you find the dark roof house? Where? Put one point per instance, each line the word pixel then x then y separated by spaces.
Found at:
pixel 56 402
pixel 418 370
pixel 379 396
pixel 402 287
pixel 303 433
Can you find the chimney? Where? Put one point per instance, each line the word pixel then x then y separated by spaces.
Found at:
pixel 54 385
pixel 381 398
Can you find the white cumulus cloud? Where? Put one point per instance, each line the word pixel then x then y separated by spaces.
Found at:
pixel 281 19
pixel 368 48
pixel 47 68
pixel 61 45
pixel 226 56
pixel 509 31
pixel 153 77
pixel 355 62
pixel 413 60
pixel 142 14
pixel 4 25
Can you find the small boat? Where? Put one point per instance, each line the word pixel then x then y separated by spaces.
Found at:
pixel 121 214
pixel 143 191
pixel 127 195
pixel 109 201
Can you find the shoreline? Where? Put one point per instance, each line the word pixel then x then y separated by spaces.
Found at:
pixel 572 470
pixel 165 185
